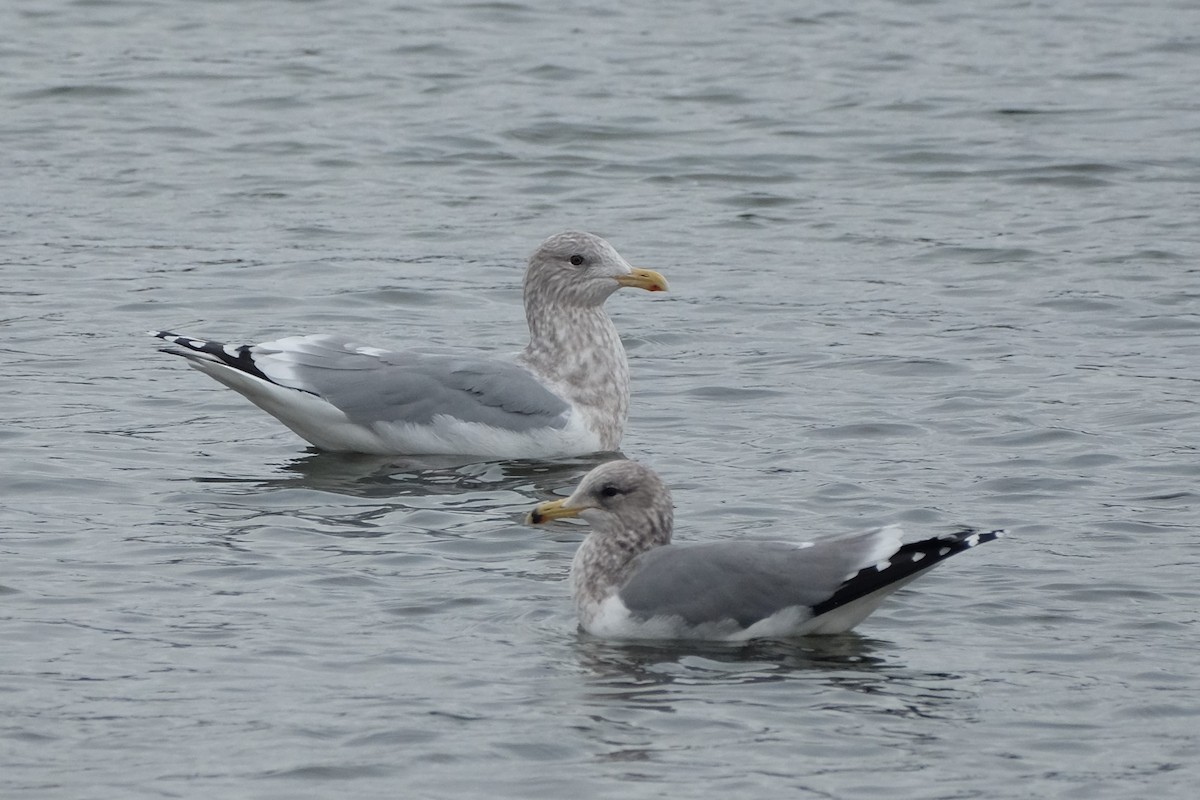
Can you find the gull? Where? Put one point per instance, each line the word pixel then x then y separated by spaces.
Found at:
pixel 631 582
pixel 566 394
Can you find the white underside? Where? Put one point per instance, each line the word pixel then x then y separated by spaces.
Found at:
pixel 610 619
pixel 328 428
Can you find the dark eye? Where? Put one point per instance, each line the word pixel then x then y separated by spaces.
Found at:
pixel 610 491
pixel 576 260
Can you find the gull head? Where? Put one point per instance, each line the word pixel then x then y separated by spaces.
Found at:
pixel 618 497
pixel 580 269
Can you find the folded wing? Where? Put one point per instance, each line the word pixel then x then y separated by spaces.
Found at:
pixel 370 385
pixel 747 582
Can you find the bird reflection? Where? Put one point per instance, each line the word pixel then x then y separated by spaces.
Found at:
pixel 350 496
pixel 391 476
pixel 642 666
pixel 380 477
pixel 662 676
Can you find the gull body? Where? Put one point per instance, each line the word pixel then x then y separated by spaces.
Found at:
pixel 567 393
pixel 630 582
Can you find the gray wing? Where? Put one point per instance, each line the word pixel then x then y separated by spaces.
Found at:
pixel 371 385
pixel 743 581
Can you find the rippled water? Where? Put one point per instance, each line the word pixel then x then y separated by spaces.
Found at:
pixel 932 263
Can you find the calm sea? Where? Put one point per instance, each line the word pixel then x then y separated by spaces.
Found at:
pixel 934 263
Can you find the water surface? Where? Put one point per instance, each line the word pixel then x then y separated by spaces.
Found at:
pixel 931 263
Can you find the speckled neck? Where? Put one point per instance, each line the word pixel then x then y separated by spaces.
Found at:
pixel 604 560
pixel 578 349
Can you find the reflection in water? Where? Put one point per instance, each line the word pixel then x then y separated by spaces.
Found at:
pixel 654 673
pixel 351 496
pixel 634 667
pixel 757 694
pixel 358 475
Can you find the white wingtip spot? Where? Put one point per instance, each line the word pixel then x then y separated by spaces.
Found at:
pixel 972 540
pixel 882 565
pixel 197 343
pixel 917 556
pixel 943 551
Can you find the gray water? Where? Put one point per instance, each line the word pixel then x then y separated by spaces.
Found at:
pixel 932 263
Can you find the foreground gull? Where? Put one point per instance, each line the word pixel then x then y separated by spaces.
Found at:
pixel 567 393
pixel 630 582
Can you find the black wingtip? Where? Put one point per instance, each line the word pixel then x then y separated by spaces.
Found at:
pixel 908 560
pixel 239 358
pixel 964 539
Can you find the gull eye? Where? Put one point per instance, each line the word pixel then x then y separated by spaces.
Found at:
pixel 576 260
pixel 610 491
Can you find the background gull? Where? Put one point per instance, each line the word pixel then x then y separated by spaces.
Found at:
pixel 630 582
pixel 567 393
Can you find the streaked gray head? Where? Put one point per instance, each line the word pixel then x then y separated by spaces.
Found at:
pixel 624 497
pixel 579 269
pixel 573 345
